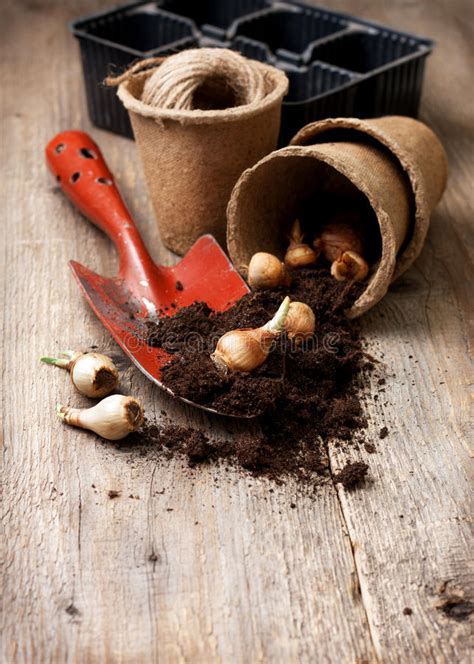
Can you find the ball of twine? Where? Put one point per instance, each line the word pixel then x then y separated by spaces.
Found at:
pixel 204 79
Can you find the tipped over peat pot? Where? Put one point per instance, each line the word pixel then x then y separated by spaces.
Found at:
pixel 337 65
pixel 394 166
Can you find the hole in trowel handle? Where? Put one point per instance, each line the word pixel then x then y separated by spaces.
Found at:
pixel 87 154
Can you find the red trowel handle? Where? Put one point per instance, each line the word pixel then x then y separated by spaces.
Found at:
pixel 81 172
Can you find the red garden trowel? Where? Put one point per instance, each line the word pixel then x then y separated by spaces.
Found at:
pixel 142 289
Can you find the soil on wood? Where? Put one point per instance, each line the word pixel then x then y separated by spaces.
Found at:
pixel 352 475
pixel 456 608
pixel 301 397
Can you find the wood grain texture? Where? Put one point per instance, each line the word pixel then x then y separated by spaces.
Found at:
pixel 212 566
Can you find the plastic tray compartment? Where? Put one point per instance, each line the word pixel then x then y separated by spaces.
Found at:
pixel 290 32
pixel 316 92
pixel 252 49
pixel 390 68
pixel 116 39
pixel 213 17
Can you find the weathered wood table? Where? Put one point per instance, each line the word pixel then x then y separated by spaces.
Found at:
pixel 216 568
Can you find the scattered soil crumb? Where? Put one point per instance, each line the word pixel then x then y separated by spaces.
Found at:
pixel 407 611
pixel 193 443
pixel 455 607
pixel 198 449
pixel 352 475
pixel 113 494
pixel 383 433
pixel 370 448
pixel 72 610
pixel 179 286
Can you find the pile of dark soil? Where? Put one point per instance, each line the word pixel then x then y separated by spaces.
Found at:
pixel 316 370
pixel 303 396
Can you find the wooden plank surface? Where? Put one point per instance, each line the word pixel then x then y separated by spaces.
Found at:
pixel 211 566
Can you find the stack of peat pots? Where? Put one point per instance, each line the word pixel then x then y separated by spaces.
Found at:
pixel 396 163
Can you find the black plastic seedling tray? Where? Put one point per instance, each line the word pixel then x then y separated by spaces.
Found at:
pixel 337 65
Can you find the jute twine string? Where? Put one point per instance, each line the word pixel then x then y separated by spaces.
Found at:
pixel 210 85
pixel 137 68
pixel 179 78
